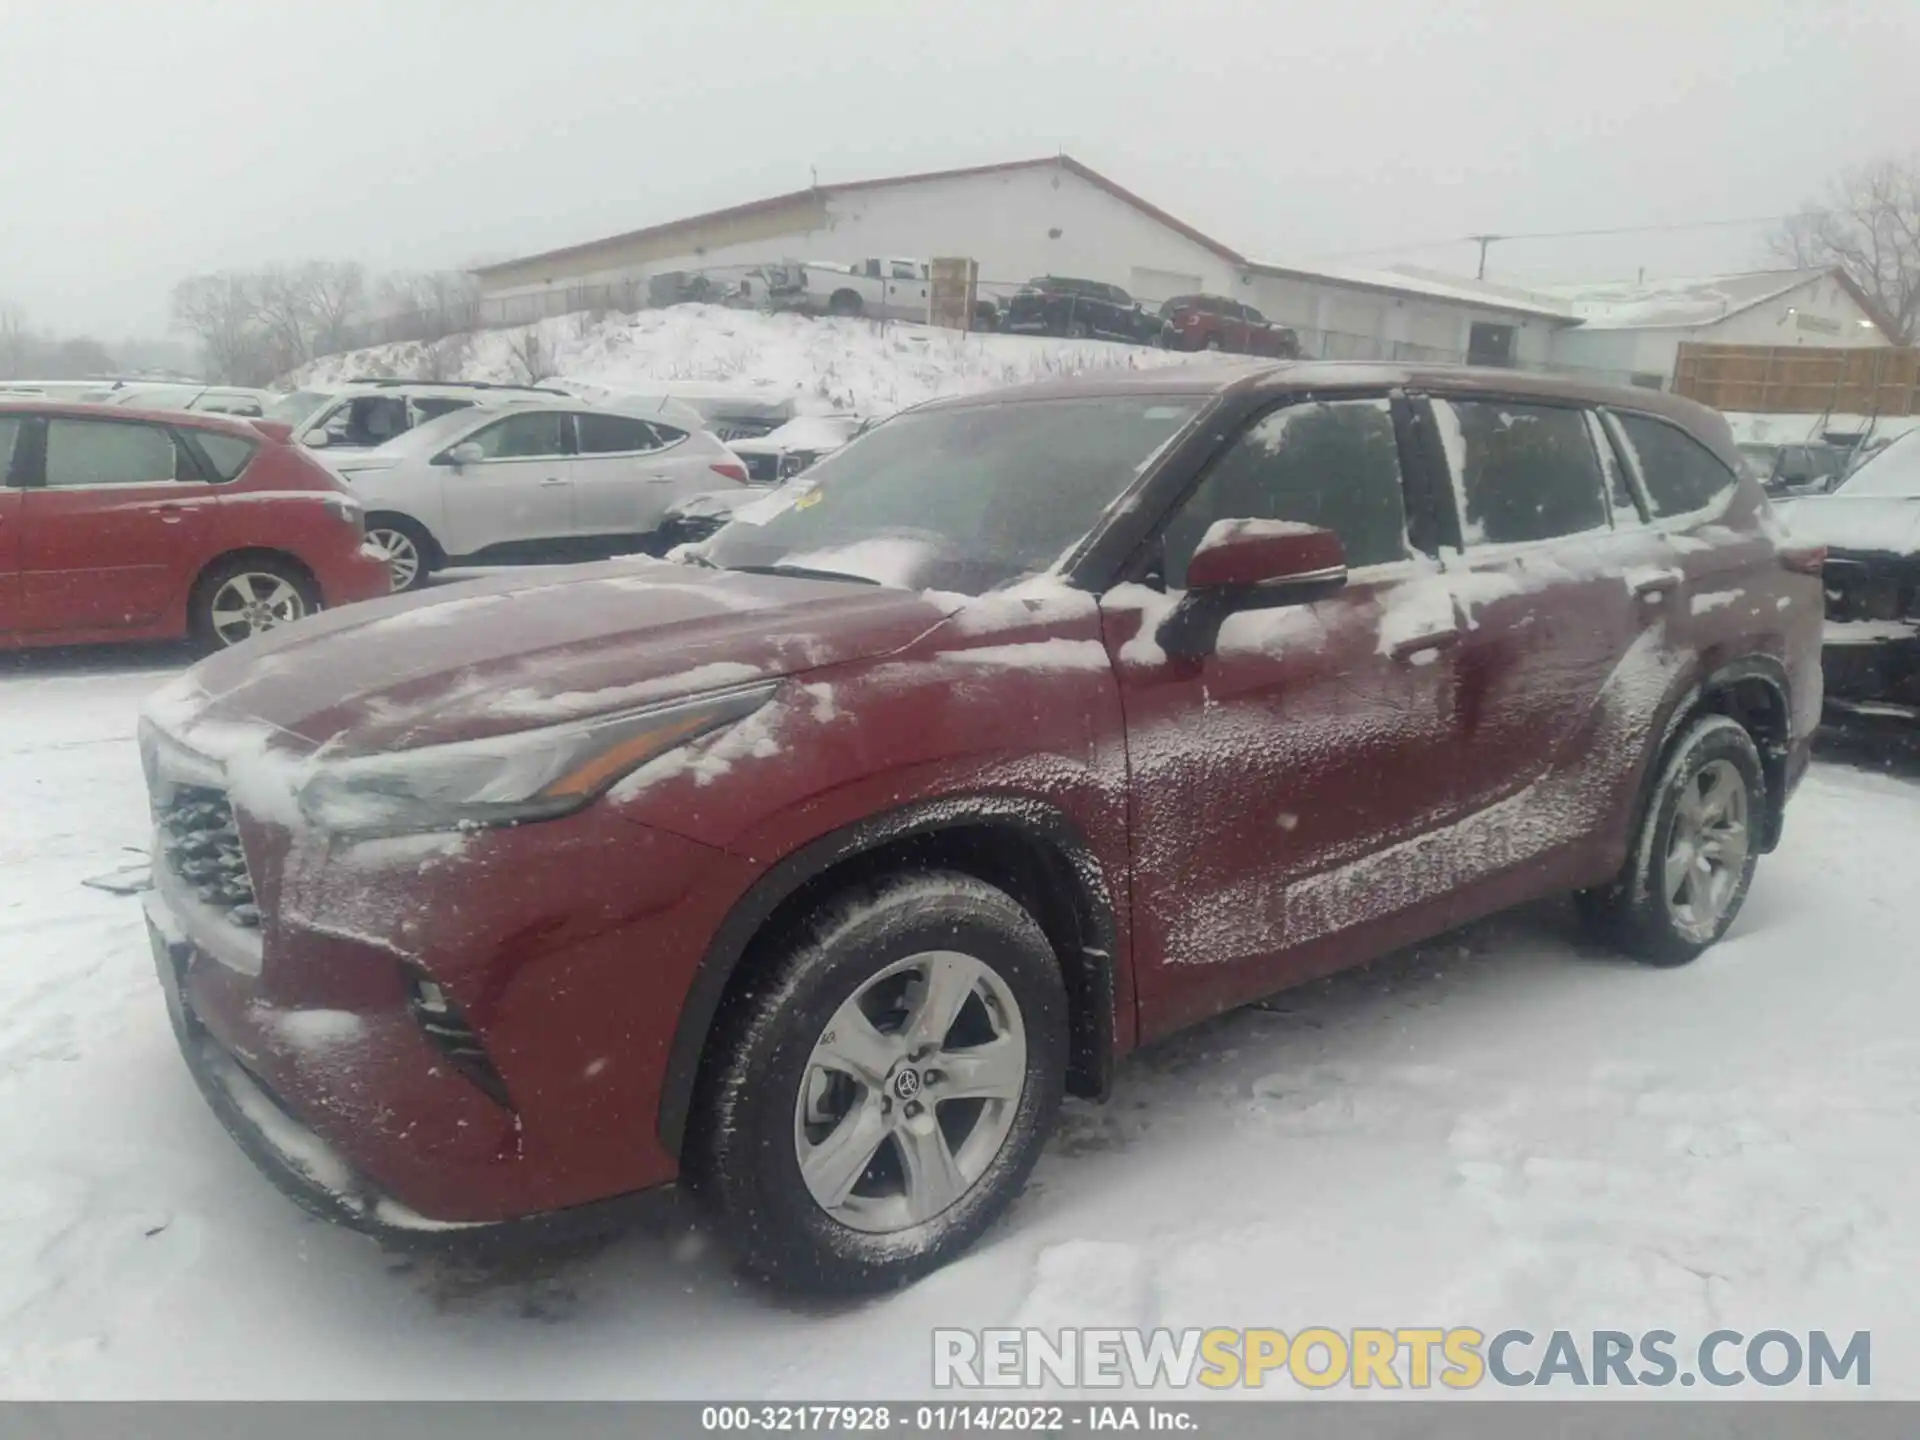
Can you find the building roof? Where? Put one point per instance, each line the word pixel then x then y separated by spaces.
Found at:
pixel 1408 283
pixel 1686 303
pixel 1411 283
pixel 776 202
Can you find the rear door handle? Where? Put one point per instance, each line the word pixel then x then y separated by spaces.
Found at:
pixel 1436 641
pixel 553 480
pixel 171 514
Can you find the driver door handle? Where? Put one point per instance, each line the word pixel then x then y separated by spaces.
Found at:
pixel 553 480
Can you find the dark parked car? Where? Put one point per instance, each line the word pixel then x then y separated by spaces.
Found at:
pixel 1213 322
pixel 1789 471
pixel 1081 309
pixel 124 524
pixel 1040 725
pixel 1871 528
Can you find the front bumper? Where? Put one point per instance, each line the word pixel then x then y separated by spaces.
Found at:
pixel 309 1171
pixel 360 575
pixel 1872 675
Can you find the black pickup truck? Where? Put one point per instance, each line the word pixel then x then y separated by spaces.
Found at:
pixel 1082 309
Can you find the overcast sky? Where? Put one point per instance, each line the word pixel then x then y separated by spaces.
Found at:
pixel 145 140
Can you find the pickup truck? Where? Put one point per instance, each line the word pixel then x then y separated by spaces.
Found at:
pixel 884 289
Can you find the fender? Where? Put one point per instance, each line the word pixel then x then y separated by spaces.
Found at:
pixel 1093 1005
pixel 1681 707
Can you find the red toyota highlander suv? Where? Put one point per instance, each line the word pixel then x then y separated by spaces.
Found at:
pixel 121 524
pixel 1032 727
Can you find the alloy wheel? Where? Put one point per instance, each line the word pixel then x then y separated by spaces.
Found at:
pixel 1707 848
pixel 252 603
pixel 396 547
pixel 910 1092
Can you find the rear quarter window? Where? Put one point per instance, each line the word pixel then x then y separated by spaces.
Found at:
pixel 226 455
pixel 1520 472
pixel 1680 474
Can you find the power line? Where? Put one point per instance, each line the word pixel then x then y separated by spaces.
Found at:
pixel 1484 240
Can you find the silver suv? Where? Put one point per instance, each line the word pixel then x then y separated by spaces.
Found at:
pixel 362 413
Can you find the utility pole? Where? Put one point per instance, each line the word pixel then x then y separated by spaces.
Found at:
pixel 1483 241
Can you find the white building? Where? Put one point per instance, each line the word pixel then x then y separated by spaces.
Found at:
pixel 1047 217
pixel 1633 332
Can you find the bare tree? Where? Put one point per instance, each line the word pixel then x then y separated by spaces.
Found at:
pixel 16 341
pixel 221 313
pixel 1870 229
pixel 445 359
pixel 336 294
pixel 532 355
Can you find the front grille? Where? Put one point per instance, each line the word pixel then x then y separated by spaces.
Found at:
pixel 200 844
pixel 762 469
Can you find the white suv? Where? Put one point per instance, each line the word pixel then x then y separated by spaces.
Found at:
pixel 528 480
pixel 362 414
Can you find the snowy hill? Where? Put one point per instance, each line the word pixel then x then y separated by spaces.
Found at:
pixel 823 365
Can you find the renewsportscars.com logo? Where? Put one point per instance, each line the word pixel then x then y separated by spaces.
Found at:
pixel 1460 1358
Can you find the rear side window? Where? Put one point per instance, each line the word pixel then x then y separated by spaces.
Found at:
pixel 1520 472
pixel 432 407
pixel 227 454
pixel 615 434
pixel 521 437
pixel 9 432
pixel 1332 464
pixel 1620 498
pixel 1681 474
pixel 108 452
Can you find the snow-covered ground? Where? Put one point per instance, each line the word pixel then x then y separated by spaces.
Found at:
pixel 1799 429
pixel 1504 1128
pixel 823 365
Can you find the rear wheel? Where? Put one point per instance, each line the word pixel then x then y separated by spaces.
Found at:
pixel 1213 342
pixel 845 302
pixel 884 1088
pixel 405 546
pixel 1078 330
pixel 1694 855
pixel 241 598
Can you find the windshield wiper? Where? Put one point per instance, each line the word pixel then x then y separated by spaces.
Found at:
pixel 803 572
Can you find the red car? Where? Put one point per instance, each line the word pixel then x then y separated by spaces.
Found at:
pixel 1213 322
pixel 122 524
pixel 814 870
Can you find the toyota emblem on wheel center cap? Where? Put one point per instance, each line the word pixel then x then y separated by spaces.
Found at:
pixel 907 1084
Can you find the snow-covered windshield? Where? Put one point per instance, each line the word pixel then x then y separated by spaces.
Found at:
pixel 959 499
pixel 293 408
pixel 1895 471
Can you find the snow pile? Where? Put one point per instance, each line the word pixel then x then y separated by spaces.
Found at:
pixel 823 366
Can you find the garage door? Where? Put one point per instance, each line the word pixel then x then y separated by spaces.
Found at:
pixel 1153 286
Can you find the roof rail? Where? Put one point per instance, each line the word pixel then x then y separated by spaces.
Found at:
pixel 391 381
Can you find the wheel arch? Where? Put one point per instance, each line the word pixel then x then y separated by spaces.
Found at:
pixel 1023 846
pixel 1752 690
pixel 249 554
pixel 376 514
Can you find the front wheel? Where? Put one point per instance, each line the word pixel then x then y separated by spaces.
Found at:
pixel 239 599
pixel 406 548
pixel 884 1088
pixel 1694 855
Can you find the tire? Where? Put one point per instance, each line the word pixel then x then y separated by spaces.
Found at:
pixel 1213 342
pixel 411 553
pixel 1078 330
pixel 1663 909
pixel 845 302
pixel 245 596
pixel 768 1099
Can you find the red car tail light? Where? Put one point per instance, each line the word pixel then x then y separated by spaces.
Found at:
pixel 731 469
pixel 1804 559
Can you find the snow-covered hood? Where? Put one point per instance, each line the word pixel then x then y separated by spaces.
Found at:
pixel 515 652
pixel 1870 524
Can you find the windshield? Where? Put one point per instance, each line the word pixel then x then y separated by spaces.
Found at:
pixel 293 408
pixel 1894 471
pixel 960 499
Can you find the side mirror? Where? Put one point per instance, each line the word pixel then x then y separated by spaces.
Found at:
pixel 1266 554
pixel 315 439
pixel 467 453
pixel 1250 565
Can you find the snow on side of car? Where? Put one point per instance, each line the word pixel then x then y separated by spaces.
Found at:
pixel 1058 653
pixel 822 365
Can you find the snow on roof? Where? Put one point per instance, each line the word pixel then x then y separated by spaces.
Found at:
pixel 1411 281
pixel 1678 303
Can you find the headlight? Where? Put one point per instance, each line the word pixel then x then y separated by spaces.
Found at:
pixel 529 775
